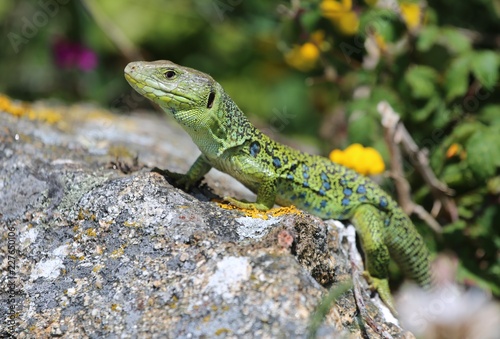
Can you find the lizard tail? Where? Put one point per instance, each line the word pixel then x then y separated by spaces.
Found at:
pixel 408 249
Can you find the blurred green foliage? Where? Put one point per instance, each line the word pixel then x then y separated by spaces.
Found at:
pixel 302 67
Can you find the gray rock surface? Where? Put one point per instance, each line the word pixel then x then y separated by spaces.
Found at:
pixel 104 248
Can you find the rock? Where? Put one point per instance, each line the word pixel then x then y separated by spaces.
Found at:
pixel 106 248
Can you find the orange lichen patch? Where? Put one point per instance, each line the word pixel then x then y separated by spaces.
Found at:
pixel 24 109
pixel 265 215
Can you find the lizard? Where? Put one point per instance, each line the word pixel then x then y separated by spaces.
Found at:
pixel 280 174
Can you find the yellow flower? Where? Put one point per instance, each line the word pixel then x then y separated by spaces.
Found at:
pixel 348 23
pixel 366 161
pixel 331 9
pixel 353 156
pixel 456 149
pixel 379 39
pixel 337 156
pixel 309 52
pixel 374 160
pixel 411 13
pixel 341 15
pixel 303 57
pixel 452 150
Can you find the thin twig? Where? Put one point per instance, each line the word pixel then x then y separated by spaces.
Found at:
pixel 120 40
pixel 396 133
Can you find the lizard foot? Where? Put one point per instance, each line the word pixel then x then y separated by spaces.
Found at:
pixel 179 180
pixel 246 205
pixel 381 286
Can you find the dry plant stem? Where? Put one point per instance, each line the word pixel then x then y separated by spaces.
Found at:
pixel 115 34
pixel 396 133
pixel 402 185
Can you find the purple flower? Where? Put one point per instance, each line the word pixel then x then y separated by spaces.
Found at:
pixel 69 54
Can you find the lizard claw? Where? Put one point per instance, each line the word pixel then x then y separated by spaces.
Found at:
pixel 180 180
pixel 381 286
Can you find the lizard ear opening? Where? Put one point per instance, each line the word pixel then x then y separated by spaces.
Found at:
pixel 211 99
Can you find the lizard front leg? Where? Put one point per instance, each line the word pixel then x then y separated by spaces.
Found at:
pixel 266 196
pixel 195 173
pixel 369 223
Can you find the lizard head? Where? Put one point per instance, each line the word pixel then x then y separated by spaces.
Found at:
pixel 194 99
pixel 189 95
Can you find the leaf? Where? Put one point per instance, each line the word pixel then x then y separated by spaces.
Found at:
pixel 427 37
pixel 483 150
pixel 455 40
pixel 457 175
pixel 424 113
pixel 377 20
pixel 456 79
pixel 310 19
pixel 493 185
pixel 422 81
pixel 443 115
pixel 455 227
pixel 485 68
pixel 463 131
pixel 490 114
pixel 363 128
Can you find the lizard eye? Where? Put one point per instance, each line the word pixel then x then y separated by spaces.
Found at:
pixel 211 98
pixel 169 74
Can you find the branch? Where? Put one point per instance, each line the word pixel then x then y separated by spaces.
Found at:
pixel 396 133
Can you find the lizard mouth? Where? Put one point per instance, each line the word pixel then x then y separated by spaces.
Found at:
pixel 153 90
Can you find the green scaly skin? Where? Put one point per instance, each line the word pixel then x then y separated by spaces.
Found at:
pixel 280 174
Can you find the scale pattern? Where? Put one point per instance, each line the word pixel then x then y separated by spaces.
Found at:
pixel 280 174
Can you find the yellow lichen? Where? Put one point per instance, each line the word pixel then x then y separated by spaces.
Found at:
pixel 91 232
pixel 97 268
pixel 255 213
pixel 131 224
pixel 222 330
pixel 117 253
pixel 23 109
pixel 74 257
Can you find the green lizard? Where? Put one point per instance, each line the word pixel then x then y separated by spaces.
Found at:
pixel 280 174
